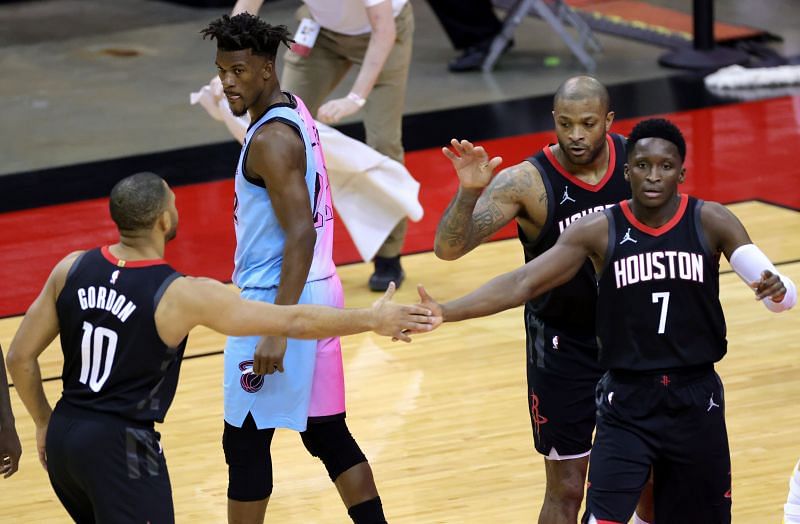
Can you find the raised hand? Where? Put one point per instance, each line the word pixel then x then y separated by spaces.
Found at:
pixel 471 163
pixel 770 286
pixel 397 320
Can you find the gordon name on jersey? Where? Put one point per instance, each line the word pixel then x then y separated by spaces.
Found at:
pixel 99 297
pixel 658 265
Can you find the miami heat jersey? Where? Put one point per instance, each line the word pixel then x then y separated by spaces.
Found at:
pixel 114 360
pixel 571 307
pixel 260 239
pixel 658 305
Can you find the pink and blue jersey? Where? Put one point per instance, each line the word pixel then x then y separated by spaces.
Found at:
pixel 259 237
pixel 313 382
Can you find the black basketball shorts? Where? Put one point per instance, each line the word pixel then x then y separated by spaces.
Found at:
pixel 673 422
pixel 107 469
pixel 562 376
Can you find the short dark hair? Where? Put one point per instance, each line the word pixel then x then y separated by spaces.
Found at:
pixel 657 128
pixel 245 31
pixel 137 201
pixel 582 87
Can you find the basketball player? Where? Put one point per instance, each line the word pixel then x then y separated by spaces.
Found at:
pixel 10 448
pixel 124 315
pixel 580 174
pixel 284 233
pixel 661 329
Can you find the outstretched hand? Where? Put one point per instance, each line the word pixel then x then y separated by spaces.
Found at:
pixel 397 320
pixel 427 301
pixel 471 163
pixel 770 286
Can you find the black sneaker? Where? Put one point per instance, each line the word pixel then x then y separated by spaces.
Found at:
pixel 386 270
pixel 473 57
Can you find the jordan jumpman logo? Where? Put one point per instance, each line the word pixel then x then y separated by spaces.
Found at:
pixel 566 196
pixel 628 238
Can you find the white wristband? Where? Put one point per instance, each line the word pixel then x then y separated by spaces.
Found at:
pixel 748 262
pixel 356 99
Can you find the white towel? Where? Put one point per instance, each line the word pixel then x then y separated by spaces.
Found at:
pixel 371 192
pixel 738 77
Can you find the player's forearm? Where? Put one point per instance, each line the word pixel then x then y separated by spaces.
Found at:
pixel 551 269
pixel 307 321
pixel 248 6
pixel 455 232
pixel 317 322
pixel 749 262
pixel 27 379
pixel 504 292
pixel 297 257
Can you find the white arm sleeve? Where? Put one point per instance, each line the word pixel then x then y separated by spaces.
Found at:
pixel 748 262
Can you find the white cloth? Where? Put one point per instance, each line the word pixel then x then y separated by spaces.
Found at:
pixel 348 17
pixel 371 192
pixel 738 77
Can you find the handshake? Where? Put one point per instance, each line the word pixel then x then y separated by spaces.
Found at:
pixel 399 321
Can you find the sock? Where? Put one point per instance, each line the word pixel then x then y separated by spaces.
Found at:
pixel 791 511
pixel 791 514
pixel 638 520
pixel 367 512
pixel 794 486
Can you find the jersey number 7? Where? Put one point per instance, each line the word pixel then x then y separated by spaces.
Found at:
pixel 662 320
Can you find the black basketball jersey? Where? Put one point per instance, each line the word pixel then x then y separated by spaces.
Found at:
pixel 114 360
pixel 658 305
pixel 571 307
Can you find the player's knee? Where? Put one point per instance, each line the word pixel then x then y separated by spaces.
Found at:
pixel 249 462
pixel 333 444
pixel 567 491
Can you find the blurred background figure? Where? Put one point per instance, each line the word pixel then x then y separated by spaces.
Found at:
pixel 471 27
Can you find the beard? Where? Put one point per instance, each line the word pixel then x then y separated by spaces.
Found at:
pixel 589 157
pixel 239 112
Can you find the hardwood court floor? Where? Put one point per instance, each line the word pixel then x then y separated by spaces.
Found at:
pixel 444 420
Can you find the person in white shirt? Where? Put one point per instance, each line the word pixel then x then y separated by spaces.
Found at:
pixel 376 36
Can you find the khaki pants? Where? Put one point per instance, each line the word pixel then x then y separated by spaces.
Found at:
pixel 314 77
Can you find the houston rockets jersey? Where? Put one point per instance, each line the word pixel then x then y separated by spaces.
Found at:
pixel 658 305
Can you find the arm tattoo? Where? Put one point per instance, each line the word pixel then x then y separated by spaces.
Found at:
pixel 465 224
pixel 456 223
pixel 485 219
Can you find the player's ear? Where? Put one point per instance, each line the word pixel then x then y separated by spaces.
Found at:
pixel 269 69
pixel 609 119
pixel 625 172
pixel 682 175
pixel 164 222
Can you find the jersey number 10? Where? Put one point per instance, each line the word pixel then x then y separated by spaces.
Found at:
pixel 94 340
